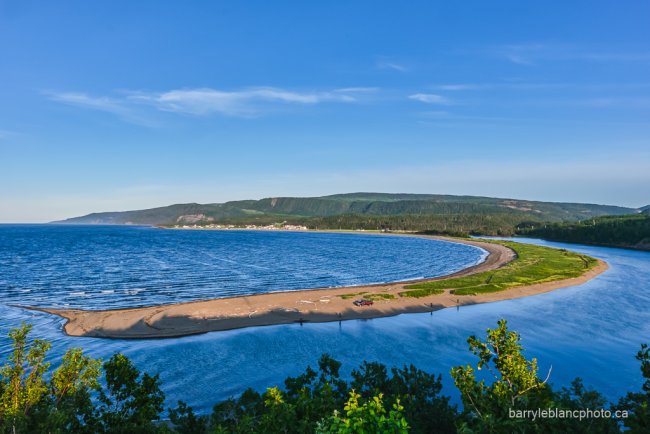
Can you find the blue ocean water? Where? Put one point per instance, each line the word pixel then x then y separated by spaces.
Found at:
pixel 101 267
pixel 591 330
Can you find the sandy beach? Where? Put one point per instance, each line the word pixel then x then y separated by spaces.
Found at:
pixel 304 306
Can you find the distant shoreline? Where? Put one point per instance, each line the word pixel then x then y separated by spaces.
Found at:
pixel 303 306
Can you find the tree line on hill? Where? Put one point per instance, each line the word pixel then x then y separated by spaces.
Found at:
pixel 84 395
pixel 460 225
pixel 630 231
pixel 362 204
pixel 454 225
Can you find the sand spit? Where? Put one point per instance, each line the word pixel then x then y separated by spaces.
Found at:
pixel 303 306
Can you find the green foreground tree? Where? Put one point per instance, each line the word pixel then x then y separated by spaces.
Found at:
pixel 515 384
pixel 368 417
pixel 85 396
pixel 321 399
pixel 515 388
pixel 637 404
pixel 33 402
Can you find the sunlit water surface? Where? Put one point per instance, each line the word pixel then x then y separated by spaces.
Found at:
pixel 100 267
pixel 592 331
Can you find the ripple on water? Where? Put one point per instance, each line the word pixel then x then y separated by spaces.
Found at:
pixel 592 331
pixel 113 267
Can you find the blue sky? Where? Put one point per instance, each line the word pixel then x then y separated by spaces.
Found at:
pixel 124 105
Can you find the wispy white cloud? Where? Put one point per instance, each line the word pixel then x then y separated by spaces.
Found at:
pixel 429 98
pixel 205 101
pixel 79 99
pixel 247 102
pixel 115 106
pixel 357 90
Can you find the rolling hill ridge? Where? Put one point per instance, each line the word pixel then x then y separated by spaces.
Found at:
pixel 354 204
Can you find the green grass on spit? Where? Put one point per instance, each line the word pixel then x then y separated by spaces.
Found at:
pixel 366 296
pixel 533 264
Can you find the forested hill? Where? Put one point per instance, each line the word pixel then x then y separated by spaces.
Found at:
pixel 629 231
pixel 379 208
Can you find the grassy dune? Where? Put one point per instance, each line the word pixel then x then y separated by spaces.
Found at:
pixel 534 264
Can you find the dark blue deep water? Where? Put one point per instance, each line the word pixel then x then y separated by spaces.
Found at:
pixel 592 330
pixel 100 267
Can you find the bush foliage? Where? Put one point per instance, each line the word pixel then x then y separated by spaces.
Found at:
pixel 84 395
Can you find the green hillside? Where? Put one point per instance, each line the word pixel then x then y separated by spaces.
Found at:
pixel 422 212
pixel 630 231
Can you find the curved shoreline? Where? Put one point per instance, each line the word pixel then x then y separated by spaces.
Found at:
pixel 310 305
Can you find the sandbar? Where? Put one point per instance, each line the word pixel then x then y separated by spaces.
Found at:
pixel 301 306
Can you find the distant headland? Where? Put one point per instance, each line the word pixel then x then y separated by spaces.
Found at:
pixel 435 214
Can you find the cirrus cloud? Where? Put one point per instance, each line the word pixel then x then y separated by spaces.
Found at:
pixel 429 98
pixel 135 106
pixel 205 101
